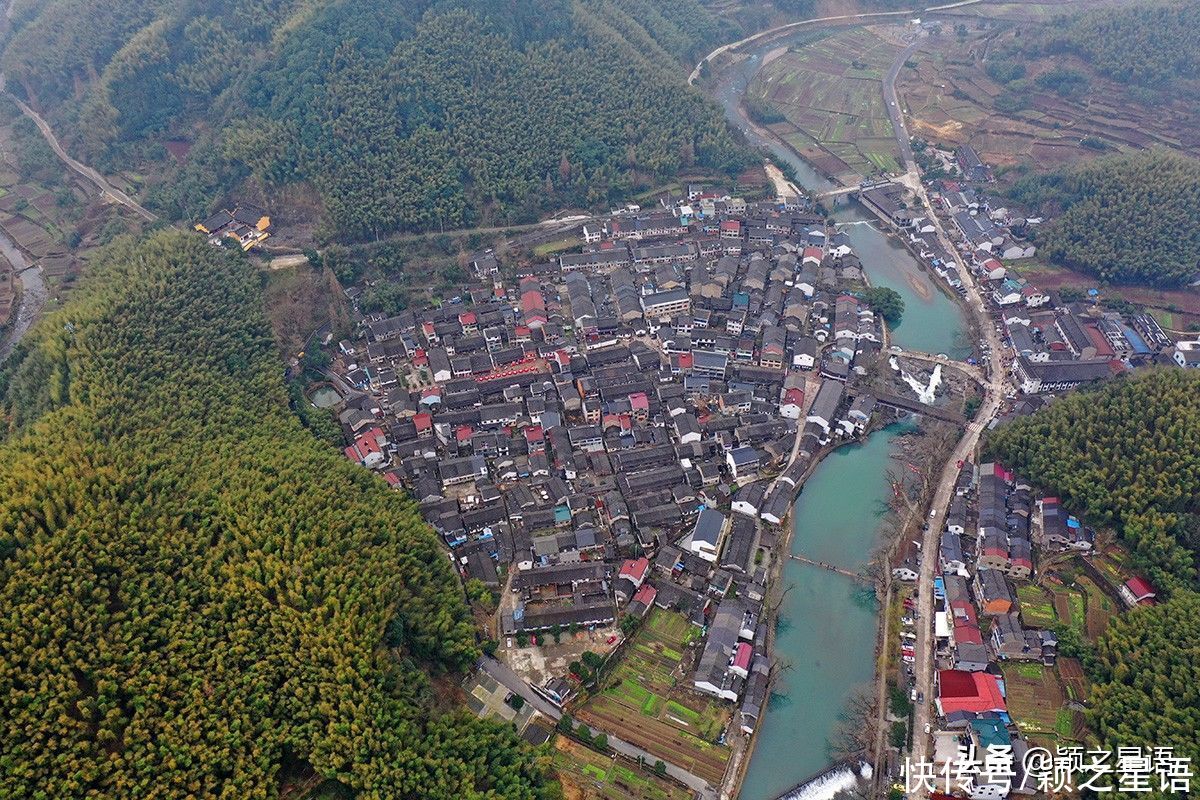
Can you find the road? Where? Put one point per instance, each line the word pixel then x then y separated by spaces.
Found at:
pixel 896 110
pixel 106 188
pixel 994 390
pixel 791 26
pixel 513 682
pixel 993 396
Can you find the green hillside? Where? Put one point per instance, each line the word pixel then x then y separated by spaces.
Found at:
pixel 1130 218
pixel 200 599
pixel 1126 456
pixel 401 116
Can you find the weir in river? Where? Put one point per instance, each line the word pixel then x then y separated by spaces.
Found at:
pixel 826 625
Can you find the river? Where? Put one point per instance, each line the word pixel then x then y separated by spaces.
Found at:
pixel 33 296
pixel 825 635
pixel 932 321
pixel 826 629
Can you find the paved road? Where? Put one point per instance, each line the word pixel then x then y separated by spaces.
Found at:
pixel 995 386
pixel 92 175
pixel 513 682
pixel 993 397
pixel 896 111
pixel 771 32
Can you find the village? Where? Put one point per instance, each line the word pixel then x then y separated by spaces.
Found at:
pixel 610 441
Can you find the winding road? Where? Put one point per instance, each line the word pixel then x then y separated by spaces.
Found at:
pixel 791 26
pixel 101 183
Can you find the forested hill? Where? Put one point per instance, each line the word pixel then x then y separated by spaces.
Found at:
pixel 201 600
pixel 1130 218
pixel 1155 46
pixel 1127 455
pixel 401 115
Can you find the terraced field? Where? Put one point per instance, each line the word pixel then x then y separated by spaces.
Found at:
pixel 647 700
pixel 588 775
pixel 1037 611
pixel 951 100
pixel 830 92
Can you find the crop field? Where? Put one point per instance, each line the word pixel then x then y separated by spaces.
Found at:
pixel 1070 608
pixel 1075 683
pixel 831 94
pixel 951 100
pixel 1099 609
pixel 1036 609
pixel 1034 700
pixel 588 775
pixel 647 701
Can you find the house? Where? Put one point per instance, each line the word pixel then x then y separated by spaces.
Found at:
pixel 1138 591
pixel 970 164
pixel 1187 354
pixel 665 305
pixel 246 225
pixel 1058 376
pixel 1012 642
pixel 368 449
pixel 995 598
pixel 749 499
pixel 804 355
pixel 974 692
pixel 742 461
pixel 791 403
pixel 630 578
pixel 713 674
pixel 823 411
pixel 705 537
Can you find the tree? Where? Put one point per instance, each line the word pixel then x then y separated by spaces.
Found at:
pixel 364 104
pixel 565 724
pixel 600 742
pixel 1126 455
pixel 885 301
pixel 660 768
pixel 1147 673
pixel 1128 218
pixel 250 599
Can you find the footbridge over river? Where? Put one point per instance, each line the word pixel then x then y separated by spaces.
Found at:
pixel 917 407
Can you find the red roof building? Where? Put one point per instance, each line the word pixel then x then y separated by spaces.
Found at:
pixel 645 595
pixel 635 569
pixel 1139 591
pixel 741 659
pixel 966 623
pixel 368 448
pixel 968 691
pixel 424 423
pixel 813 254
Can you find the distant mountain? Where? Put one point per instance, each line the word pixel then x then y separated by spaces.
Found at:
pixel 396 115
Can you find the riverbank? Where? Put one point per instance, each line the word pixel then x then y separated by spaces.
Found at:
pixel 824 629
pixel 808 695
pixel 31 295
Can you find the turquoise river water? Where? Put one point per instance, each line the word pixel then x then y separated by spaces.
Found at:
pixel 825 636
